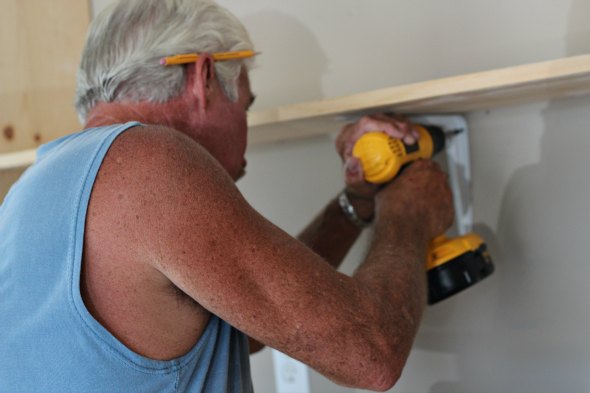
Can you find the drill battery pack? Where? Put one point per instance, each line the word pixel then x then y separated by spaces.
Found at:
pixel 456 264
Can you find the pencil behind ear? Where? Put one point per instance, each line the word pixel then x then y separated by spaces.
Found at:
pixel 203 78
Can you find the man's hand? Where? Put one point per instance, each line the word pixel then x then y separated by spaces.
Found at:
pixel 421 193
pixel 395 127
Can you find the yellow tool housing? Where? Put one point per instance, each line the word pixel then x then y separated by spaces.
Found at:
pixel 452 264
pixel 382 156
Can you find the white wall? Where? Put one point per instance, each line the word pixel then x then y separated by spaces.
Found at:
pixel 525 328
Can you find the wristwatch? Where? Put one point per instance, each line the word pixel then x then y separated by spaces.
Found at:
pixel 350 212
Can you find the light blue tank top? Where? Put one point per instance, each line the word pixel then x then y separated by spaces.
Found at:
pixel 49 342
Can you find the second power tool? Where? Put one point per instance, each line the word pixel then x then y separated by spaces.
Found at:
pixel 453 264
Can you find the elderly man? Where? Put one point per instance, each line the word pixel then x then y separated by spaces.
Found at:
pixel 129 261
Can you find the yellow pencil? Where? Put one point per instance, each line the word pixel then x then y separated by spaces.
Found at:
pixel 219 56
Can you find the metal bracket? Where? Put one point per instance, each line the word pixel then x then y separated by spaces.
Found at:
pixel 292 376
pixel 458 163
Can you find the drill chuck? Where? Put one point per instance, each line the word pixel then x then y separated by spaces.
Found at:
pixel 438 138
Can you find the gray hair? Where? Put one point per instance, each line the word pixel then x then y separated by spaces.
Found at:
pixel 121 60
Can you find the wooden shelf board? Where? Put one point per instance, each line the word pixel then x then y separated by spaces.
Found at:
pixel 19 159
pixel 459 94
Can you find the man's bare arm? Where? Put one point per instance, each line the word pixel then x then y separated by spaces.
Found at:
pixel 212 245
pixel 331 235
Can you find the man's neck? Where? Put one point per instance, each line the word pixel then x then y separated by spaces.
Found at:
pixel 167 114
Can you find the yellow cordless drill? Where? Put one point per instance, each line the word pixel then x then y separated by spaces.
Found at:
pixel 453 264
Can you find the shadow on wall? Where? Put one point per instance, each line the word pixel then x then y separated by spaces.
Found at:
pixel 544 230
pixel 292 47
pixel 535 312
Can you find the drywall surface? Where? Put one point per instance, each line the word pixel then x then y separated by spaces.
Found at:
pixel 525 328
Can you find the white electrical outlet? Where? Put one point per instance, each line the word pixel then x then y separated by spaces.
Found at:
pixel 291 376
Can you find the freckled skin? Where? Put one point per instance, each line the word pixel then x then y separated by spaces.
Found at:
pixel 170 240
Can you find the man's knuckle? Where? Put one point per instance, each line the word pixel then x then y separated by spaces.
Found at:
pixel 365 119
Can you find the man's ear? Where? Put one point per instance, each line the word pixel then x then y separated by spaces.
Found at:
pixel 201 79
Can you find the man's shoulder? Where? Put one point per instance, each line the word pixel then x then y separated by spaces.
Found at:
pixel 153 143
pixel 154 166
pixel 151 179
pixel 159 154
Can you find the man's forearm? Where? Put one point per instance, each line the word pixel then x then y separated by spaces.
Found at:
pixel 393 273
pixel 331 234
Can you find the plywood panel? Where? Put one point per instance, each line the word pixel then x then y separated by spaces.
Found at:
pixel 40 42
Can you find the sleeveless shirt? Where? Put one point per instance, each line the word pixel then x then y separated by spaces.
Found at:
pixel 48 339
